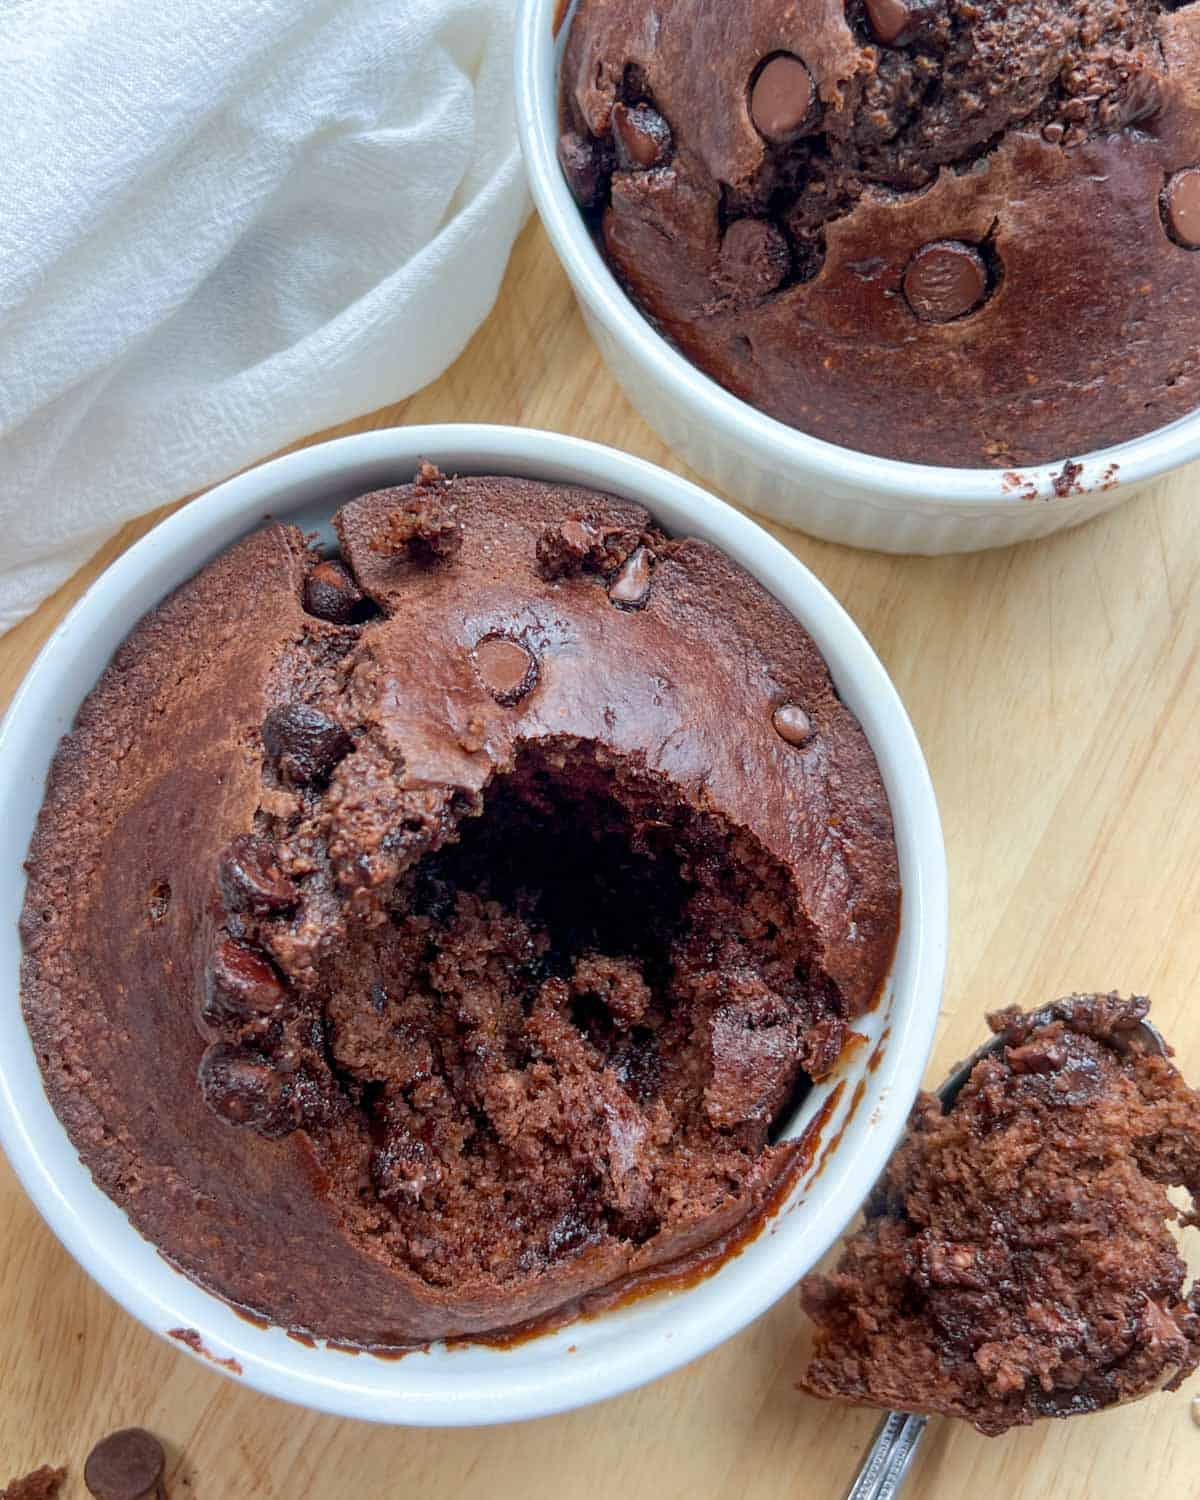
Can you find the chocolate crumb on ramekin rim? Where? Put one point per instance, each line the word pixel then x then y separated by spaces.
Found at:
pixel 963 234
pixel 426 949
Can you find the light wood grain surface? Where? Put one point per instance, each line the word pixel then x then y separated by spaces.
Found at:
pixel 1056 690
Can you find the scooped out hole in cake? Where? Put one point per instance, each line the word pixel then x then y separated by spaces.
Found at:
pixel 581 1020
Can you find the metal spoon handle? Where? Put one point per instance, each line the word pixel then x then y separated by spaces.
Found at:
pixel 888 1458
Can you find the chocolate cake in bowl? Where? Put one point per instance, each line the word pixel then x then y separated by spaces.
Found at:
pixel 952 234
pixel 919 282
pixel 434 934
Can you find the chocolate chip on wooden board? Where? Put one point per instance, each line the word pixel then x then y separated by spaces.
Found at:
pixel 126 1465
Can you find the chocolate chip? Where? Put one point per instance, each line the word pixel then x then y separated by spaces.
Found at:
pixel 1053 133
pixel 945 280
pixel 630 587
pixel 241 984
pixel 304 742
pixel 792 724
pixel 241 1088
pixel 1038 1056
pixel 251 880
pixel 506 668
pixel 642 137
pixel 1181 208
pixel 126 1465
pixel 890 20
pixel 754 258
pixel 331 594
pixel 583 167
pixel 781 97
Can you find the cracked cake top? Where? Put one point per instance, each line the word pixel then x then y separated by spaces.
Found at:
pixel 431 938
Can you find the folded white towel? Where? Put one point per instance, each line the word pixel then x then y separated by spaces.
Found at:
pixel 225 224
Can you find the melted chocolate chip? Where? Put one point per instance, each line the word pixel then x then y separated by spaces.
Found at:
pixel 781 97
pixel 754 258
pixel 792 724
pixel 126 1465
pixel 583 167
pixel 241 985
pixel 241 1088
pixel 630 587
pixel 506 668
pixel 945 280
pixel 304 743
pixel 331 594
pixel 642 137
pixel 1181 208
pixel 1038 1056
pixel 251 880
pixel 890 20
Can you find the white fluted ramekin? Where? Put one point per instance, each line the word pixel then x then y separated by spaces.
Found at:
pixel 591 1358
pixel 831 492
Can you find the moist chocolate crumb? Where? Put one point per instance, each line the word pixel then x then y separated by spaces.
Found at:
pixel 423 524
pixel 1016 1261
pixel 251 880
pixel 1066 481
pixel 583 544
pixel 43 1484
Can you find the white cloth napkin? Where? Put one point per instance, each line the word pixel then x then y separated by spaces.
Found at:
pixel 225 224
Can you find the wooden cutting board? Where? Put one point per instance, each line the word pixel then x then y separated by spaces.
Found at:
pixel 1056 690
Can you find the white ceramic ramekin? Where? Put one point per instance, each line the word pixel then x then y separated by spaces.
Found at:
pixel 592 1358
pixel 831 492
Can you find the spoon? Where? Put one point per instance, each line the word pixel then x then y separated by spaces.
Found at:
pixel 897 1437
